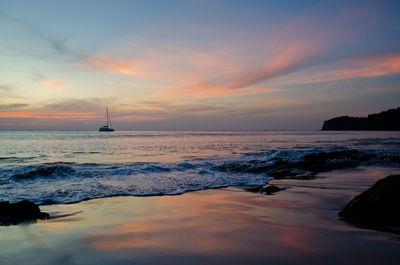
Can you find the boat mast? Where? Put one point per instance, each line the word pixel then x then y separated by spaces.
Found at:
pixel 107 115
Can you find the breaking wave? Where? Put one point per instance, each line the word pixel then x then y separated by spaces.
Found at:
pixel 68 182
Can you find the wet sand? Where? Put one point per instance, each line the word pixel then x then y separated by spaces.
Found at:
pixel 225 226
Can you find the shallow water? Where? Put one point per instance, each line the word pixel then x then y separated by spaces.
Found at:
pixel 226 226
pixel 65 167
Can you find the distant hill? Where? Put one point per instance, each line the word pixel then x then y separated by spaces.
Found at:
pixel 384 121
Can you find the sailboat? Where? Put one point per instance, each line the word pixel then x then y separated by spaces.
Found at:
pixel 108 127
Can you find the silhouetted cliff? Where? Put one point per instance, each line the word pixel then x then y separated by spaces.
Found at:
pixel 385 121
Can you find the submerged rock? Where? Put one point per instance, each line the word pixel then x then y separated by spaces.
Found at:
pixel 378 204
pixel 309 165
pixel 14 213
pixel 270 189
pixel 325 161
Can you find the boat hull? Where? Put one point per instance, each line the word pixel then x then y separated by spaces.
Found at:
pixel 106 129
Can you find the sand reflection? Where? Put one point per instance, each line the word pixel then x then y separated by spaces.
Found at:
pixel 209 223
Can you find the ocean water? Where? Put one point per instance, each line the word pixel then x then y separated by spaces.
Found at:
pixel 65 167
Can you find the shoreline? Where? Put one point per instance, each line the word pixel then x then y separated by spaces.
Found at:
pixel 213 226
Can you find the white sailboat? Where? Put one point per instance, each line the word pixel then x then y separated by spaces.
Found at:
pixel 108 127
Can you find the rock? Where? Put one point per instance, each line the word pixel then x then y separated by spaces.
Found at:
pixel 270 189
pixel 14 213
pixel 255 189
pixel 325 161
pixel 319 162
pixel 307 166
pixel 378 204
pixel 392 158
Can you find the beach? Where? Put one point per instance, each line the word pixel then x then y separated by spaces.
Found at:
pixel 216 226
pixel 199 132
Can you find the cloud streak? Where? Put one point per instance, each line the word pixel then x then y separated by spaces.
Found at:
pixel 49 116
pixel 62 109
pixel 290 59
pixel 193 74
pixel 57 45
pixel 13 106
pixel 5 88
pixel 355 67
pixel 114 66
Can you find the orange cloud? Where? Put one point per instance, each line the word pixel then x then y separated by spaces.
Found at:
pixel 185 71
pixel 53 84
pixel 215 72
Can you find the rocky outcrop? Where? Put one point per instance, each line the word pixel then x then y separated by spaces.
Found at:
pixel 309 165
pixel 380 204
pixel 14 213
pixel 345 123
pixel 269 189
pixel 384 121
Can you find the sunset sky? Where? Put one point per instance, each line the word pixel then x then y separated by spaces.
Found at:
pixel 196 65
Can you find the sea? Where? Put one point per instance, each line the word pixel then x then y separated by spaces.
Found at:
pixel 51 167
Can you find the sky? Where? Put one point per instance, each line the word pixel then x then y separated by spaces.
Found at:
pixel 196 65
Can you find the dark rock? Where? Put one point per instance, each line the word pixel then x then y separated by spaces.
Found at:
pixel 378 204
pixel 307 166
pixel 367 157
pixel 270 189
pixel 281 163
pixel 392 158
pixel 384 121
pixel 319 162
pixel 255 189
pixel 325 161
pixel 14 213
pixel 311 164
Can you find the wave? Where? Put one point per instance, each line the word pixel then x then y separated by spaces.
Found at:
pixel 52 170
pixel 67 182
pixel 15 159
